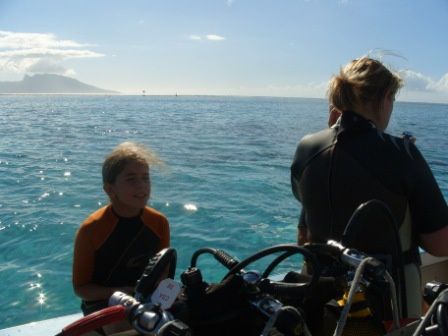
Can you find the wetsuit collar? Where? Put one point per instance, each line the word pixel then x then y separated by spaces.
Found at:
pixel 354 122
pixel 125 218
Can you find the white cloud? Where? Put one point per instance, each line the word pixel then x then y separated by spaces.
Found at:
pixel 419 87
pixel 16 66
pixel 415 81
pixel 212 37
pixel 42 52
pixel 195 37
pixel 229 2
pixel 48 66
pixel 39 53
pixel 441 85
pixel 12 40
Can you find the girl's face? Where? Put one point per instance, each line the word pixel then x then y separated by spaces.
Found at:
pixel 131 190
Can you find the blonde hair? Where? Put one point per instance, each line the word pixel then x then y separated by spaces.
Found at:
pixel 362 82
pixel 125 153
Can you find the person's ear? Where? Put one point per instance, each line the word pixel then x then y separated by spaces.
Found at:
pixel 333 116
pixel 389 97
pixel 108 189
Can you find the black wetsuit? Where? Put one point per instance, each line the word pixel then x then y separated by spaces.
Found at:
pixel 337 169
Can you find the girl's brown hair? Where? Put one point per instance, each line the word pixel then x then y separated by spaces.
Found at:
pixel 123 154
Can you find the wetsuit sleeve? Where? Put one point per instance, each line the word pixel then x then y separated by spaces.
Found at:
pixel 295 178
pixel 428 207
pixel 309 148
pixel 302 229
pixel 302 219
pixel 165 238
pixel 158 224
pixel 84 258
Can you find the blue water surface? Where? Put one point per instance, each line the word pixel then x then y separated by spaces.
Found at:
pixel 225 184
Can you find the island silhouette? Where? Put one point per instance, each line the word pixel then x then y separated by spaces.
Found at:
pixel 51 83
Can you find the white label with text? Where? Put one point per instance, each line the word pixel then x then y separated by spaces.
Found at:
pixel 166 293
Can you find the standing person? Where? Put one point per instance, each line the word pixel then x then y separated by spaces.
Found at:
pixel 354 161
pixel 113 245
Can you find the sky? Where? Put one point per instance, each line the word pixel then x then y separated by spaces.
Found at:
pixel 225 47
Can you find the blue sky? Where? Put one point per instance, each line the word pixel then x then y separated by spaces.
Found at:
pixel 224 47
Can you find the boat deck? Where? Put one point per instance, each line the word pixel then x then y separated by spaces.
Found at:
pixel 46 327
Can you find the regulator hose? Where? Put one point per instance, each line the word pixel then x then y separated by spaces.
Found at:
pixel 276 286
pixel 223 257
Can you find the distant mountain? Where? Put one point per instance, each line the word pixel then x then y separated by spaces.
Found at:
pixel 48 83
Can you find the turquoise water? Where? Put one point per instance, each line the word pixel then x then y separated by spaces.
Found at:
pixel 226 184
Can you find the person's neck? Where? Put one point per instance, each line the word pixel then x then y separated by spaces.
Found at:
pixel 369 114
pixel 125 212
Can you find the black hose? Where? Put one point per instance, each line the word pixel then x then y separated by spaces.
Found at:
pixel 288 249
pixel 442 316
pixel 226 259
pixel 282 289
pixel 199 252
pixel 223 257
pixel 275 263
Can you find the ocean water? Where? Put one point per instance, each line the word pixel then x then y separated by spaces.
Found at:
pixel 225 184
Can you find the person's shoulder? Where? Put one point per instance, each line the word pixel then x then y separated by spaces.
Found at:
pixel 97 217
pixel 404 146
pixel 310 146
pixel 317 137
pixel 153 214
pixel 98 226
pixel 156 221
pixel 314 143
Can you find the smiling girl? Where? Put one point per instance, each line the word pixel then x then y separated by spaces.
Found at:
pixel 113 245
